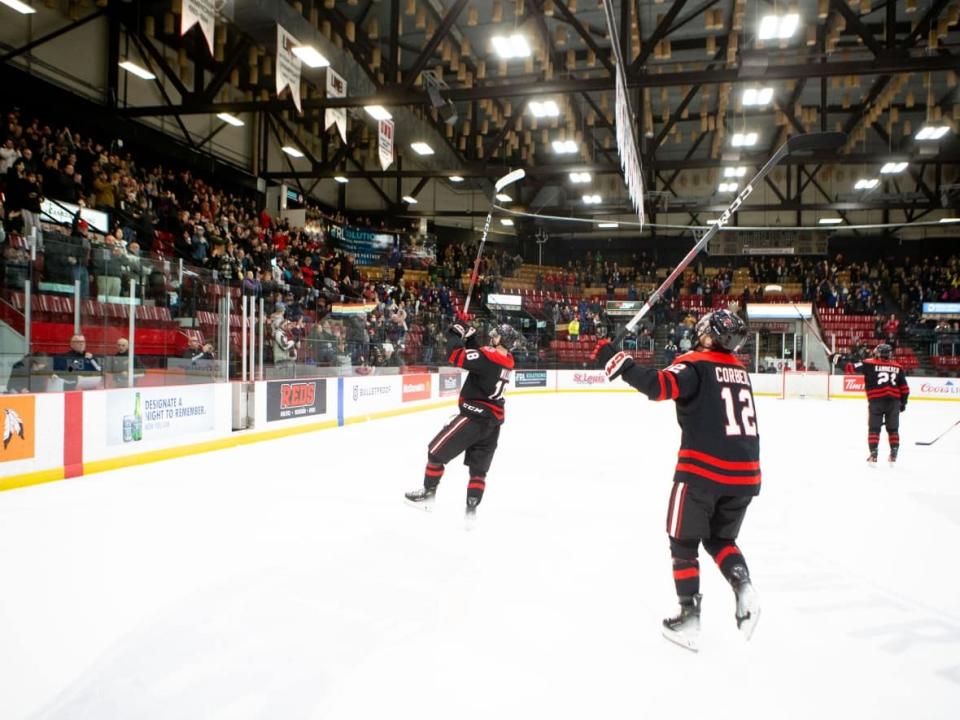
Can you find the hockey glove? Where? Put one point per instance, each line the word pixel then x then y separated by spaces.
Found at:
pixel 462 331
pixel 612 362
pixel 903 405
pixel 463 318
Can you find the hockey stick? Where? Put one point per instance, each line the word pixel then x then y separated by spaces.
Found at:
pixel 920 442
pixel 810 327
pixel 507 179
pixel 797 145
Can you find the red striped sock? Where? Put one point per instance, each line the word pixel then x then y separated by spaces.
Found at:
pixel 432 475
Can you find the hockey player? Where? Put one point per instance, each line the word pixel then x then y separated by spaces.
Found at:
pixel 887 393
pixel 718 469
pixel 476 429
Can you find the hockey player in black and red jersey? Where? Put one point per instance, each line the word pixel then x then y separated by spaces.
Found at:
pixel 476 429
pixel 887 393
pixel 718 468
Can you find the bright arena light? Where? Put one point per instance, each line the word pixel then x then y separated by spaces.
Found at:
pixel 866 184
pixel 292 151
pixel 609 225
pixel 230 119
pixel 950 220
pixel 757 96
pixel 592 199
pixel 421 148
pixel 727 187
pixel 929 132
pixel 503 197
pixel 734 172
pixel 893 167
pixel 506 221
pixel 547 108
pixel 456 179
pixel 409 200
pixel 579 178
pixel 564 147
pixel 514 46
pixel 378 112
pixel 134 69
pixel 778 27
pixel 744 139
pixel 20 7
pixel 341 179
pixel 310 57
pixel 831 221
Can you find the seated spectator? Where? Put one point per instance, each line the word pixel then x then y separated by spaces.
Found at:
pixel 29 374
pixel 75 362
pixel 193 351
pixel 119 366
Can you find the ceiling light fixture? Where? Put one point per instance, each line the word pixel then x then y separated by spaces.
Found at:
pixel 140 72
pixel 778 27
pixel 727 187
pixel 421 148
pixel 292 151
pixel 20 7
pixel 564 147
pixel 514 46
pixel 744 139
pixel 341 179
pixel 930 132
pixel 456 179
pixel 950 220
pixel 378 112
pixel 831 221
pixel 757 96
pixel 503 197
pixel 734 172
pixel 891 168
pixel 409 199
pixel 506 221
pixel 580 177
pixel 592 199
pixel 547 108
pixel 309 56
pixel 230 119
pixel 866 184
pixel 609 225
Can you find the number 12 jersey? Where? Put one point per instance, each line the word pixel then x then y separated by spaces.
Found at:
pixel 720 441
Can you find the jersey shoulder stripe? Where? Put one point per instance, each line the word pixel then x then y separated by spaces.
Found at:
pixel 711 356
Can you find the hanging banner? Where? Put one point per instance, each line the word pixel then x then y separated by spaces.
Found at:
pixel 627 146
pixel 336 88
pixel 288 66
pixel 386 143
pixel 198 12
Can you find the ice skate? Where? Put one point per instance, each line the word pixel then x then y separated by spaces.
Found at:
pixel 872 460
pixel 684 629
pixel 470 515
pixel 892 460
pixel 421 498
pixel 748 601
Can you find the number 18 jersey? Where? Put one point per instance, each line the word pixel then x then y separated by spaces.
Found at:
pixel 720 439
pixel 489 373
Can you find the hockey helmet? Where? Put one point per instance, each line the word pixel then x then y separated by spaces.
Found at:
pixel 504 335
pixel 883 351
pixel 726 330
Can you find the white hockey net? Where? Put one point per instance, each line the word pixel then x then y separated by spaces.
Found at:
pixel 806 385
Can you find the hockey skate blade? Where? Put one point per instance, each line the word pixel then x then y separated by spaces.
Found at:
pixel 426 507
pixel 683 640
pixel 748 625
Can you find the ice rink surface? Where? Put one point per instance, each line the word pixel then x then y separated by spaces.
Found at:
pixel 287 580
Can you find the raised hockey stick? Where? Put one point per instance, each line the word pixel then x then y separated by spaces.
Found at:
pixel 778 289
pixel 920 442
pixel 797 145
pixel 507 179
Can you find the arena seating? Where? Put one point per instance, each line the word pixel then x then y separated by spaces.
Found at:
pixel 847 329
pixel 946 364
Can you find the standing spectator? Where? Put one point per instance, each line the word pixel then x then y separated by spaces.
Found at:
pixel 891 328
pixel 573 329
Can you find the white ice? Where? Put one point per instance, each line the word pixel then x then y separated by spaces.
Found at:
pixel 288 580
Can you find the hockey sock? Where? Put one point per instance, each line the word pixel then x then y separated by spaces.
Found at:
pixel 894 438
pixel 727 558
pixel 476 486
pixel 686 577
pixel 873 441
pixel 432 475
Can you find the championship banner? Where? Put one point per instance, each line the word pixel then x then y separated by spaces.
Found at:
pixel 627 146
pixel 288 66
pixel 336 88
pixel 385 128
pixel 198 12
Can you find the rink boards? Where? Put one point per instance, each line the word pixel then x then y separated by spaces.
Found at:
pixel 70 434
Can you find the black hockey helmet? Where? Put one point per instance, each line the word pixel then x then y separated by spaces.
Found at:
pixel 504 335
pixel 726 330
pixel 883 351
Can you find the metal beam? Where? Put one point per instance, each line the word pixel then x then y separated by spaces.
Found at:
pixel 222 75
pixel 449 19
pixel 584 34
pixel 70 27
pixel 658 34
pixel 163 92
pixel 854 24
pixel 150 49
pixel 923 27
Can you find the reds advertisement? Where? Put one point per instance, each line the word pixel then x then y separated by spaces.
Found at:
pixel 416 387
pixel 296 398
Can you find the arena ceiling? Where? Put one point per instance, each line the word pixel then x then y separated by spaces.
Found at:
pixel 879 71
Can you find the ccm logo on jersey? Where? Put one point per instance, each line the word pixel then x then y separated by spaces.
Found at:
pixel 471 408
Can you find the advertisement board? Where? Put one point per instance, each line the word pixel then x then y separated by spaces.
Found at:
pixel 941 308
pixel 853 383
pixel 589 378
pixel 19 427
pixel 158 413
pixel 934 388
pixel 450 383
pixel 415 387
pixel 62 213
pixel 529 378
pixel 296 398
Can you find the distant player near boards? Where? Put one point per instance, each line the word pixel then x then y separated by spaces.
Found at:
pixel 718 469
pixel 887 393
pixel 476 429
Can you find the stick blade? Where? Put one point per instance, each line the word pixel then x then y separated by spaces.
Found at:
pixel 924 443
pixel 816 142
pixel 510 178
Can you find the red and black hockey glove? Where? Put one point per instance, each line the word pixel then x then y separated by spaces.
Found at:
pixel 612 362
pixel 462 330
pixel 463 318
pixel 903 404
